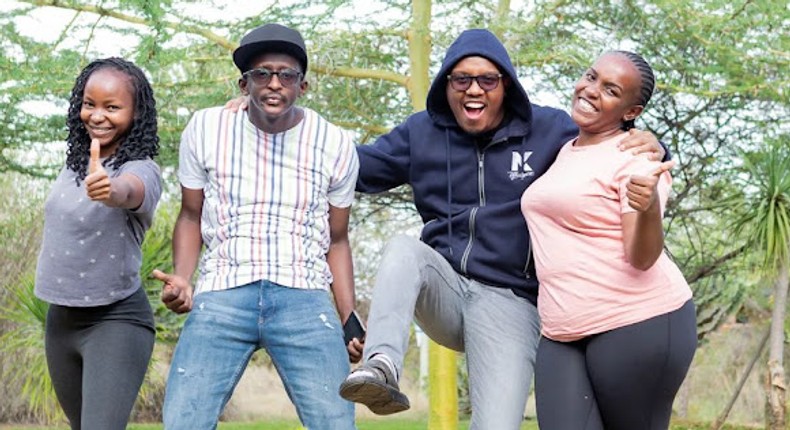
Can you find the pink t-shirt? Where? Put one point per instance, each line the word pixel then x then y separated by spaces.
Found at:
pixel 574 213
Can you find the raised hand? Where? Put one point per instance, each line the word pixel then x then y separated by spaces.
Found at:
pixel 641 190
pixel 176 292
pixel 97 184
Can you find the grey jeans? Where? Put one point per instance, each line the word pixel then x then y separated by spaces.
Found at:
pixel 498 330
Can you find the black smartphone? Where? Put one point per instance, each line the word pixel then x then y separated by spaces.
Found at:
pixel 353 328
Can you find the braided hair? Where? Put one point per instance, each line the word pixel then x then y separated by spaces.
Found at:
pixel 141 143
pixel 647 77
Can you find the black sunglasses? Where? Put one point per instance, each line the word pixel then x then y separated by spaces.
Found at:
pixel 487 82
pixel 263 76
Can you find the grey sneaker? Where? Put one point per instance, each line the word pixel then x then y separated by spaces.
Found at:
pixel 374 385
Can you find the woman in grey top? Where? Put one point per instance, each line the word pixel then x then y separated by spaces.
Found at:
pixel 100 328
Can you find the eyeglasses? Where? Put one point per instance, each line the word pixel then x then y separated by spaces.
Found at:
pixel 487 82
pixel 263 76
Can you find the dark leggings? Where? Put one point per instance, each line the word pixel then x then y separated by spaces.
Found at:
pixel 97 358
pixel 623 379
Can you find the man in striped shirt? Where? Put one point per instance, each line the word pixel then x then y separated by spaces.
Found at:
pixel 268 191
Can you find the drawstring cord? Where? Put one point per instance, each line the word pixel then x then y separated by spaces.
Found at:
pixel 449 194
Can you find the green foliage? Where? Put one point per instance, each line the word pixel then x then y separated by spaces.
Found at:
pixel 157 254
pixel 707 426
pixel 464 399
pixel 20 225
pixel 25 342
pixel 20 233
pixel 716 299
pixel 765 211
pixel 765 226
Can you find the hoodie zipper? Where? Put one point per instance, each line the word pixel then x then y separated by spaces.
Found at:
pixel 482 198
pixel 481 178
pixel 468 250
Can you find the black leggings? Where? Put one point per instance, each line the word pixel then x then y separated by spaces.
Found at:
pixel 623 379
pixel 97 358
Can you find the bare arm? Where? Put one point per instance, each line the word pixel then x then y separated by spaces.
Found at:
pixel 342 267
pixel 340 263
pixel 643 231
pixel 187 243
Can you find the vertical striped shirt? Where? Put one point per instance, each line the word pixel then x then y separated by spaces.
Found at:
pixel 266 197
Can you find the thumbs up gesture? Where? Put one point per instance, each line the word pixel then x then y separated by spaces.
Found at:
pixel 176 292
pixel 97 183
pixel 641 190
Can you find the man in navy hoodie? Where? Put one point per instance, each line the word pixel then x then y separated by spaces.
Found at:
pixel 469 281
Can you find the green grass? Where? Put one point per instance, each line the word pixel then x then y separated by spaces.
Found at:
pixel 383 424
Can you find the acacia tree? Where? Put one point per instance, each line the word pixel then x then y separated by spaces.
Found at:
pixel 765 225
pixel 721 69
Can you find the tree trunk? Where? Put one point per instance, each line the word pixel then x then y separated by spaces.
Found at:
pixel 442 388
pixel 726 412
pixel 775 402
pixel 443 385
pixel 419 37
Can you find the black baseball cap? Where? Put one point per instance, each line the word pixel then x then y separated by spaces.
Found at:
pixel 270 38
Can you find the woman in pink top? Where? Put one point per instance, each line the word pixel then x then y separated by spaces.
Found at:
pixel 618 322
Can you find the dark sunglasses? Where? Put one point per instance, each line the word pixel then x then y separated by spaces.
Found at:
pixel 487 82
pixel 263 76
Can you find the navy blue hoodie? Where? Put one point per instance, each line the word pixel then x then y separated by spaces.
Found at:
pixel 467 188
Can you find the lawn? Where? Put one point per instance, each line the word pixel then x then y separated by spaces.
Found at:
pixel 383 424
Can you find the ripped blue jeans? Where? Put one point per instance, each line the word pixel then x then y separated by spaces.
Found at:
pixel 298 328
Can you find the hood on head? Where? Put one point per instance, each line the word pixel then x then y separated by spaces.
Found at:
pixel 480 43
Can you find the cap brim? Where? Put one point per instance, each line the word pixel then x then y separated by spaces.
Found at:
pixel 244 55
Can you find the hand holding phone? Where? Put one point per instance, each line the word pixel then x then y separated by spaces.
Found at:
pixel 353 328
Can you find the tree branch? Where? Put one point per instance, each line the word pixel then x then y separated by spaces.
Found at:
pixel 356 73
pixel 219 40
pixel 374 129
pixel 707 269
pixel 347 72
